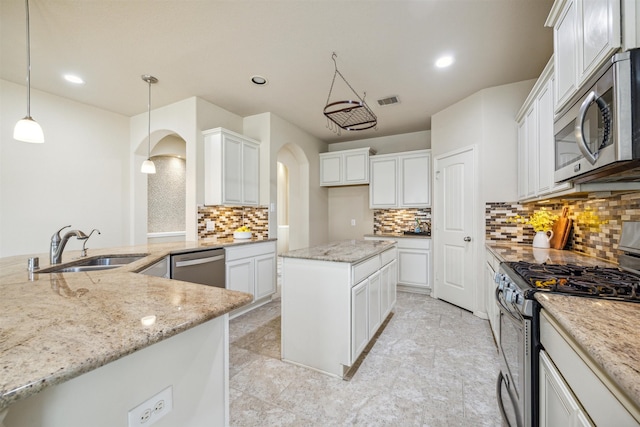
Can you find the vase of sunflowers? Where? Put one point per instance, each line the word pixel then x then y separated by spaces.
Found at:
pixel 542 222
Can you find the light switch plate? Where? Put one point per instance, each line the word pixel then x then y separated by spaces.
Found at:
pixel 211 225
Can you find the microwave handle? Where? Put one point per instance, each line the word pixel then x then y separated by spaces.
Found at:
pixel 582 143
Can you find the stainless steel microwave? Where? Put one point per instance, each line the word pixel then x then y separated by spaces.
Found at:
pixel 597 136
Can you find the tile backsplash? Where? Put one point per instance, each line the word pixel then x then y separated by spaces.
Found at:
pixel 597 223
pixel 399 220
pixel 229 218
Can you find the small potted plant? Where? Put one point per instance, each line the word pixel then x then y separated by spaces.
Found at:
pixel 542 222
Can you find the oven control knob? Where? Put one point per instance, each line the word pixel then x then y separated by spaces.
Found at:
pixel 515 298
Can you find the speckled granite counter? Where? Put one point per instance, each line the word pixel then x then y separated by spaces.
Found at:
pixel 54 327
pixel 399 236
pixel 513 252
pixel 607 331
pixel 351 251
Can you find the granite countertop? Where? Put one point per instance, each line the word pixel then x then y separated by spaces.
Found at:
pixel 607 331
pixel 506 252
pixel 400 235
pixel 57 326
pixel 351 251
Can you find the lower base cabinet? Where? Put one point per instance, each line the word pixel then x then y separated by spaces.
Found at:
pixel 332 310
pixel 570 392
pixel 251 268
pixel 414 271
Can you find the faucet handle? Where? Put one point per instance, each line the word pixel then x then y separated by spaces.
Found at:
pixel 56 236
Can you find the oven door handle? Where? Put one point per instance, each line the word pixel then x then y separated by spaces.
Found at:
pixel 503 413
pixel 582 143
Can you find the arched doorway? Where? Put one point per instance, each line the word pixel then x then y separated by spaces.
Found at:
pixel 166 191
pixel 292 198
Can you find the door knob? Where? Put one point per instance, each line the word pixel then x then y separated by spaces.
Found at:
pixel 467 239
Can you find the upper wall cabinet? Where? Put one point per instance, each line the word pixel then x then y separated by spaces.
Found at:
pixel 400 180
pixel 536 152
pixel 231 169
pixel 585 35
pixel 347 167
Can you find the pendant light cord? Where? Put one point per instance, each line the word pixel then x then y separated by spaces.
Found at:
pixel 28 62
pixel 149 124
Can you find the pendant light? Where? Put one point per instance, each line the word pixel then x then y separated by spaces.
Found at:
pixel 147 165
pixel 27 129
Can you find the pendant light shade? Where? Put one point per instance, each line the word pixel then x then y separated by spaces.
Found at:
pixel 148 166
pixel 27 129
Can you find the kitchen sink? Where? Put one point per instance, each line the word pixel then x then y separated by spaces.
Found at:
pixel 94 264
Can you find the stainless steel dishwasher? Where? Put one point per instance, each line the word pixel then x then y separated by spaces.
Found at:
pixel 205 267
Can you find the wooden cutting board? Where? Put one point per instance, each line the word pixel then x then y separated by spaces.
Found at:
pixel 561 230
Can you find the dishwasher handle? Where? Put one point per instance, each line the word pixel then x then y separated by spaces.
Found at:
pixel 198 261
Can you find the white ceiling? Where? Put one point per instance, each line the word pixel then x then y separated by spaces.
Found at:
pixel 210 49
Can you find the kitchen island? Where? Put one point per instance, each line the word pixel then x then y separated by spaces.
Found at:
pixel 335 298
pixel 85 348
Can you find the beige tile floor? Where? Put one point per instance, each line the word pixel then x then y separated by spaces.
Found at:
pixel 433 365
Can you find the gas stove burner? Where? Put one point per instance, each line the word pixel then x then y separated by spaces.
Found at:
pixel 599 282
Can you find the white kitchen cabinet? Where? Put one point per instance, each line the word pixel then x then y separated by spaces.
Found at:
pixel 375 316
pixel 400 180
pixel 493 312
pixel 251 268
pixel 359 317
pixel 332 310
pixel 346 167
pixel 383 186
pixel 572 387
pixel 415 179
pixel 414 270
pixel 585 35
pixel 558 405
pixel 536 146
pixel 232 169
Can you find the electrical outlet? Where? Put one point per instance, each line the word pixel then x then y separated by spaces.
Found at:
pixel 152 409
pixel 211 225
pixel 353 222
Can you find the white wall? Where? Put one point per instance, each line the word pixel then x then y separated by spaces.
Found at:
pixel 485 120
pixel 79 176
pixel 277 133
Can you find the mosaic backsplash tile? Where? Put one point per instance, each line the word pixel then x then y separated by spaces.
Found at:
pixel 399 220
pixel 166 201
pixel 229 218
pixel 597 223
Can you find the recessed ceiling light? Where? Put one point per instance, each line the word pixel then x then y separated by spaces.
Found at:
pixel 444 61
pixel 73 79
pixel 259 80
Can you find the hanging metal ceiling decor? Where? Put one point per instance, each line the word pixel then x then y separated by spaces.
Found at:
pixel 348 114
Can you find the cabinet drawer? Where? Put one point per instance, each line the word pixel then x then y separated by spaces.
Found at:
pixel 418 243
pixel 249 250
pixel 387 256
pixel 365 269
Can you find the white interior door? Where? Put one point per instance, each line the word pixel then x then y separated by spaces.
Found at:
pixel 454 212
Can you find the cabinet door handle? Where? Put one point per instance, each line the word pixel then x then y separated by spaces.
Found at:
pixel 467 239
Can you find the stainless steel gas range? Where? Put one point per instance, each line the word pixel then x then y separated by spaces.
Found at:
pixel 517 282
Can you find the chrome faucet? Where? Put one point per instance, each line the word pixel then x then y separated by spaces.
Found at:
pixel 84 249
pixel 58 243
